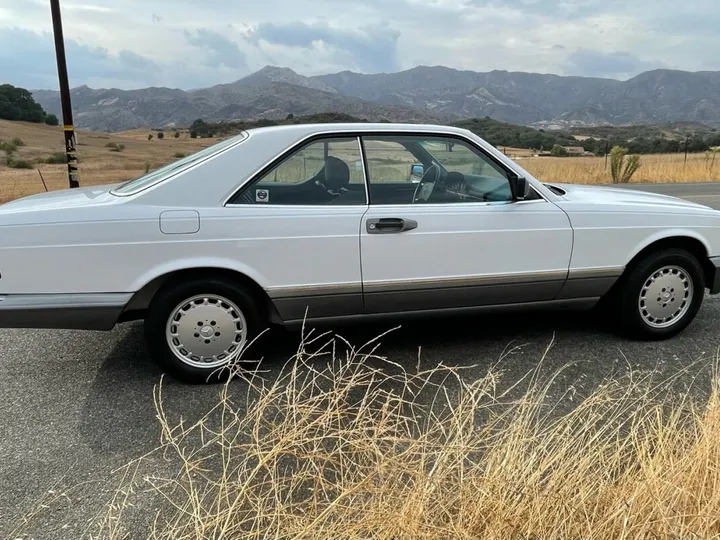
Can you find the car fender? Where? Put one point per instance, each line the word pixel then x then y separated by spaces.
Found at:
pixel 192 263
pixel 666 234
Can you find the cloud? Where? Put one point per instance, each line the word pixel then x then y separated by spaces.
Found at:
pixel 199 43
pixel 223 51
pixel 619 65
pixel 370 48
pixel 30 57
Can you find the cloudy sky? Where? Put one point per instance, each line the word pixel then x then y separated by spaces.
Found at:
pixel 196 43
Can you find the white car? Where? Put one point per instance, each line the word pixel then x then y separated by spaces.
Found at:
pixel 338 222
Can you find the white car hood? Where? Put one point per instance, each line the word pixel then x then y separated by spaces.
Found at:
pixel 65 198
pixel 608 195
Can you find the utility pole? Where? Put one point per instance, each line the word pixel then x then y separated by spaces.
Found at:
pixel 68 127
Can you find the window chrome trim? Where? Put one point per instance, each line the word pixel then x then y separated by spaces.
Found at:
pixel 360 133
pixel 289 152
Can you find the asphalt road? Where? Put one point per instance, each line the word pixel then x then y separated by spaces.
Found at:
pixel 79 404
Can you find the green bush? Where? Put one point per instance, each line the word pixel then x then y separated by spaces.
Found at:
pixel 178 155
pixel 559 151
pixel 52 120
pixel 57 158
pixel 8 146
pixel 19 164
pixel 18 142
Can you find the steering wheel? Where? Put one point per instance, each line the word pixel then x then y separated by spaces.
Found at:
pixel 427 185
pixel 486 195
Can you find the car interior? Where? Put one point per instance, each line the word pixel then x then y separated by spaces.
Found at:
pixel 331 185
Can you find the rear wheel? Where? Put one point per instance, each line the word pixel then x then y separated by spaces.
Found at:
pixel 662 295
pixel 196 330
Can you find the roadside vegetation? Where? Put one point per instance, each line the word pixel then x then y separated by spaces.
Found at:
pixel 350 445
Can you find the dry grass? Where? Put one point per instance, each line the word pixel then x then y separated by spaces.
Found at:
pixel 98 164
pixel 653 168
pixel 355 446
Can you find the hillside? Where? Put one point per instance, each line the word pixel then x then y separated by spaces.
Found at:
pixel 98 163
pixel 421 94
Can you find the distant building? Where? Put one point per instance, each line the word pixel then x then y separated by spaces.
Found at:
pixel 575 150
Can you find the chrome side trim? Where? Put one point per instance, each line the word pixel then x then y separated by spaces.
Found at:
pixel 598 272
pixel 314 290
pixel 470 281
pixel 82 311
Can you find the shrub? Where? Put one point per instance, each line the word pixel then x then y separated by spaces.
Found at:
pixel 52 120
pixel 177 134
pixel 147 167
pixel 115 147
pixel 178 155
pixel 150 136
pixel 18 142
pixel 160 135
pixel 56 158
pixel 559 151
pixel 621 170
pixel 19 164
pixel 8 147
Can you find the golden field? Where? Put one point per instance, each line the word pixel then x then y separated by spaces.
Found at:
pixel 99 165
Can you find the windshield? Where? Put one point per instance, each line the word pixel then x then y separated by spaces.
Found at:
pixel 156 176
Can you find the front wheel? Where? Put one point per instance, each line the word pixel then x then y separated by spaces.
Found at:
pixel 662 295
pixel 195 330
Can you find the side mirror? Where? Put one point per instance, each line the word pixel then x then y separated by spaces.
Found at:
pixel 518 186
pixel 416 172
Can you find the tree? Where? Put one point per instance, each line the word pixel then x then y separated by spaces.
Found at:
pixel 621 171
pixel 559 151
pixel 52 120
pixel 160 135
pixel 193 134
pixel 18 104
pixel 177 134
pixel 290 116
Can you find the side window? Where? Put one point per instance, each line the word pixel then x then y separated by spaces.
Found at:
pixel 425 170
pixel 325 171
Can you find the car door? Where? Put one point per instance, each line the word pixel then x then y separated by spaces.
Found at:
pixel 468 243
pixel 296 227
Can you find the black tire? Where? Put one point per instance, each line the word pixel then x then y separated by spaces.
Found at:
pixel 166 301
pixel 633 322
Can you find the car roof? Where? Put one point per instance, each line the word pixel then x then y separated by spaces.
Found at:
pixel 301 130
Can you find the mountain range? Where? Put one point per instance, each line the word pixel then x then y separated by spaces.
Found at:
pixel 422 94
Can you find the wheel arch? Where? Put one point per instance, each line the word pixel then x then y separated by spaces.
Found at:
pixel 689 241
pixel 140 301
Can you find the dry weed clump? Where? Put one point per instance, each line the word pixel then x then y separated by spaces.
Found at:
pixel 355 447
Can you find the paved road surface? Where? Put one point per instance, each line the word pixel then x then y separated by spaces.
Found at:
pixel 81 403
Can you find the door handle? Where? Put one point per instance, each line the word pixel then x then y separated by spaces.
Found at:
pixel 390 225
